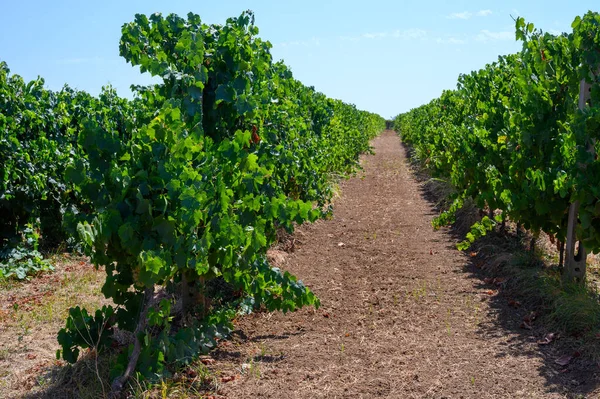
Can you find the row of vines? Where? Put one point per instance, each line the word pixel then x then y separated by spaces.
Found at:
pixel 514 138
pixel 176 194
pixel 38 138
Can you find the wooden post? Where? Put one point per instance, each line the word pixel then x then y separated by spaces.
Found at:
pixel 575 263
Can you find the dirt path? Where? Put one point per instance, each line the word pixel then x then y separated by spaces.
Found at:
pixel 400 317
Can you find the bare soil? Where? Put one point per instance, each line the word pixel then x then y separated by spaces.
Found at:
pixel 403 315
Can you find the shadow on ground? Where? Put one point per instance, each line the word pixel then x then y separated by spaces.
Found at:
pixel 87 378
pixel 502 262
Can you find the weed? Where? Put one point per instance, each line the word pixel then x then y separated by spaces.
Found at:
pixel 263 349
pixel 254 370
pixel 420 292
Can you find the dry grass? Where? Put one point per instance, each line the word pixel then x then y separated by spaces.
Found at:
pixel 32 313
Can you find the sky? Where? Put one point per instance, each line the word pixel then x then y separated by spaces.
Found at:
pixel 384 56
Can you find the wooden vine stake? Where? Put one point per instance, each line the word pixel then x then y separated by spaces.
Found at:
pixel 575 263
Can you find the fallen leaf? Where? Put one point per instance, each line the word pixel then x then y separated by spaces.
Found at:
pixel 499 281
pixel 207 361
pixel 31 356
pixel 562 371
pixel 530 317
pixel 547 339
pixel 228 379
pixel 564 360
pixel 525 325
pixel 515 304
pixel 191 373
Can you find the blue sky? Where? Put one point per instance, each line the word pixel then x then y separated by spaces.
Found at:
pixel 383 56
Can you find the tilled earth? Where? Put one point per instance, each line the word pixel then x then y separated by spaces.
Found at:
pixel 401 317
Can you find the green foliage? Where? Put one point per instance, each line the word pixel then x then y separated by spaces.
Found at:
pixel 85 331
pixel 193 186
pixel 511 136
pixel 478 230
pixel 38 138
pixel 24 259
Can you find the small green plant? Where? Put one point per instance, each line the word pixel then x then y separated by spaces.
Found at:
pixel 85 331
pixel 263 349
pixel 420 291
pixel 23 260
pixel 252 368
